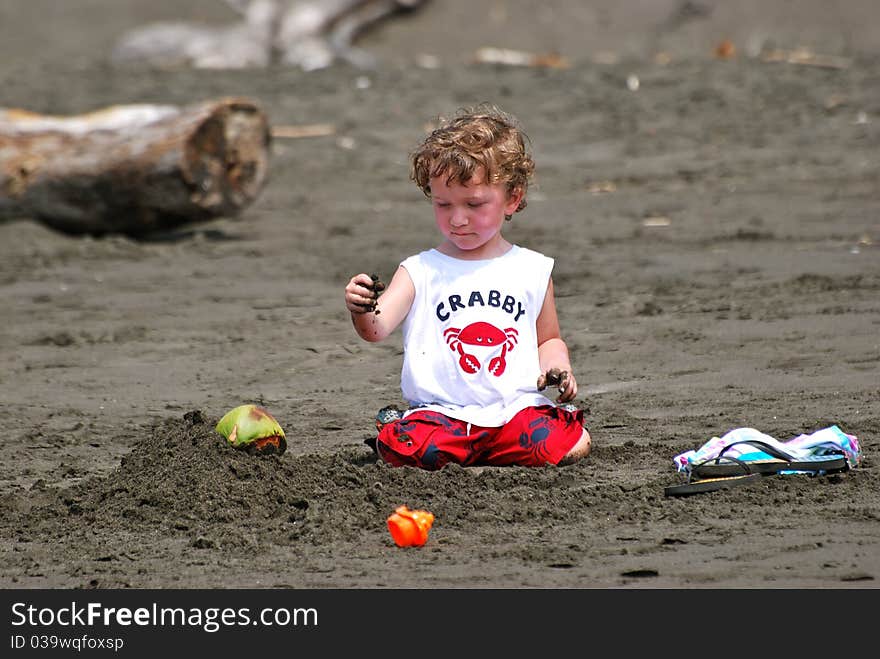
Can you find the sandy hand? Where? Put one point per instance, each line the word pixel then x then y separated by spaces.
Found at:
pixel 553 377
pixel 377 287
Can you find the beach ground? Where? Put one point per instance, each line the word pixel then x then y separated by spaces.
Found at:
pixel 716 228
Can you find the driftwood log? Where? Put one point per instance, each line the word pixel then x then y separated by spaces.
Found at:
pixel 310 34
pixel 133 169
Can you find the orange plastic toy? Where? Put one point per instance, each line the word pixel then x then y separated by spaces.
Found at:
pixel 409 528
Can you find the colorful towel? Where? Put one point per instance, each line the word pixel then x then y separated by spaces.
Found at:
pixel 828 441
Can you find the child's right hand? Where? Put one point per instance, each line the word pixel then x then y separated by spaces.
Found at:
pixel 361 293
pixel 363 301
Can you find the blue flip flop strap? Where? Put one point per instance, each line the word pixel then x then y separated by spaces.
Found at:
pixel 769 449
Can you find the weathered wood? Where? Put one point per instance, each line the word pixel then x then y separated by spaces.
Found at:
pixel 133 169
pixel 310 34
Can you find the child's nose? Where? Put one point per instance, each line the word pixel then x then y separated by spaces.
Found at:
pixel 458 218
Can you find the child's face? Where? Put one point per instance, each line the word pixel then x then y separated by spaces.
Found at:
pixel 471 216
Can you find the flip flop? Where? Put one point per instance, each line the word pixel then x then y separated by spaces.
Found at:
pixel 709 485
pixel 768 460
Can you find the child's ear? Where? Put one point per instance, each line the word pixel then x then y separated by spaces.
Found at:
pixel 513 198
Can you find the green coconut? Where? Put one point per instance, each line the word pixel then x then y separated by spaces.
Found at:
pixel 251 428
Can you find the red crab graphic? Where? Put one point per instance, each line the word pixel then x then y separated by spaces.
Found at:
pixel 481 334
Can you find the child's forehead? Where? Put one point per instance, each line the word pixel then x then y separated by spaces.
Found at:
pixel 475 185
pixel 451 177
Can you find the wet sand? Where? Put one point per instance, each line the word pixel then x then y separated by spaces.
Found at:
pixel 715 229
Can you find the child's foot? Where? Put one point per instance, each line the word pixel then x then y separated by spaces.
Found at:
pixel 383 417
pixel 387 415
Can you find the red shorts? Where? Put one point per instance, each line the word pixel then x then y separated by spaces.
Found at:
pixel 536 436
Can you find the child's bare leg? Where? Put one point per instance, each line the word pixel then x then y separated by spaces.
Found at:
pixel 580 450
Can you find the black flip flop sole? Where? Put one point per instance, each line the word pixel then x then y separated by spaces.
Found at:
pixel 710 485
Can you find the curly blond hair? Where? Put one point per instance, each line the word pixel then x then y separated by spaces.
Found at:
pixel 478 137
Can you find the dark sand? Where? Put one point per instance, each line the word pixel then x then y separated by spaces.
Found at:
pixel 717 244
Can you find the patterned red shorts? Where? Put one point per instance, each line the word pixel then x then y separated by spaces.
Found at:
pixel 536 436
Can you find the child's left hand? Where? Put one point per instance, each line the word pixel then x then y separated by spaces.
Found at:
pixel 563 380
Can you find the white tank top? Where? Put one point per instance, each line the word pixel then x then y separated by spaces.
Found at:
pixel 470 343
